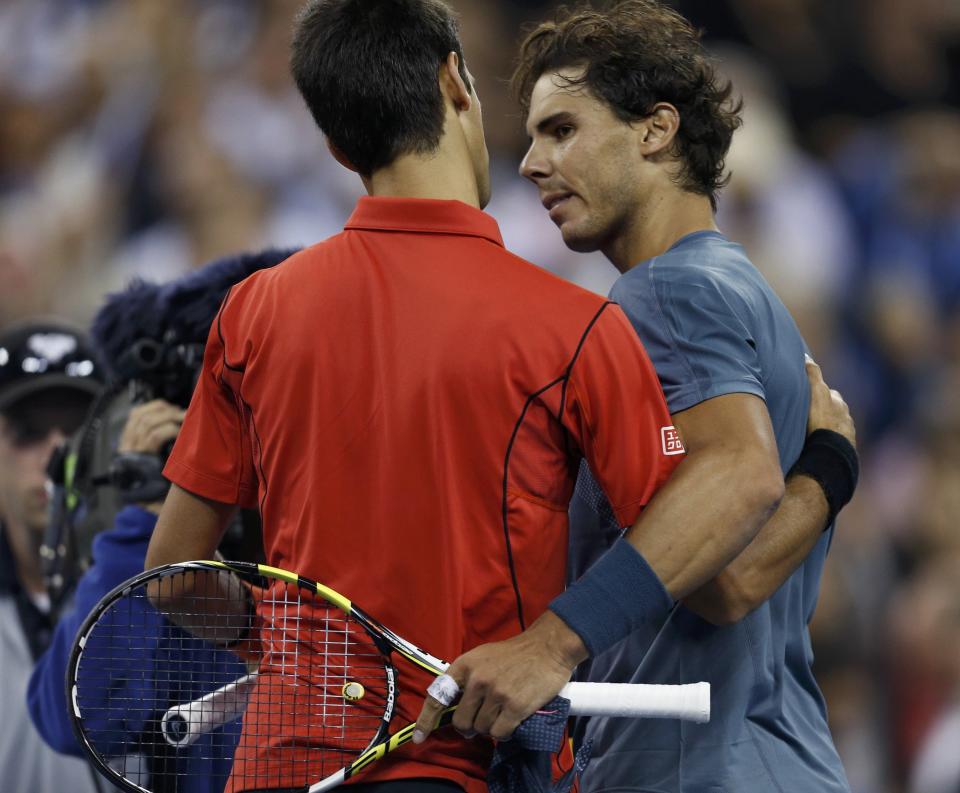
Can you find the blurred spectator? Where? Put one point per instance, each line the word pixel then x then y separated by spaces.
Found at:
pixel 925 628
pixel 785 208
pixel 48 378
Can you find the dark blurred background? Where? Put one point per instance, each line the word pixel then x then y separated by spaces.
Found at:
pixel 145 137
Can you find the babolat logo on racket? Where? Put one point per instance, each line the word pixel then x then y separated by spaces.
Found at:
pixel 391 689
pixel 671 441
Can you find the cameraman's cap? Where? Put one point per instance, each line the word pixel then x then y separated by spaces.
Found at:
pixel 40 354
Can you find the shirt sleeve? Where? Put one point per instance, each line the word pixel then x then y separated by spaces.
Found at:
pixel 213 455
pixel 616 410
pixel 693 327
pixel 118 554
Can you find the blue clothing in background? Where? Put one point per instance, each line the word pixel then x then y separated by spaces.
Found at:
pixel 118 554
pixel 713 326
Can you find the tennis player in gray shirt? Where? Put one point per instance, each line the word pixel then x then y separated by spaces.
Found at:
pixel 629 126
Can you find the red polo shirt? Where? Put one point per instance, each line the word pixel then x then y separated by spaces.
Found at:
pixel 407 403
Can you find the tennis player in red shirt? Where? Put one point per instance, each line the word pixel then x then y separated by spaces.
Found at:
pixel 407 403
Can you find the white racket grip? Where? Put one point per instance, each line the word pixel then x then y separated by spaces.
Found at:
pixel 690 701
pixel 183 724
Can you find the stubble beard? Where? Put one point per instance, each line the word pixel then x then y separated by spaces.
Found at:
pixel 583 237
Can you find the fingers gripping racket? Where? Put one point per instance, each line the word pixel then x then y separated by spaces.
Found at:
pixel 161 670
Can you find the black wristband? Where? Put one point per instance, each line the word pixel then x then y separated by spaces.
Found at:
pixel 832 462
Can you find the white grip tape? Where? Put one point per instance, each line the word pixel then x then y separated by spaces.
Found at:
pixel 444 689
pixel 182 725
pixel 690 702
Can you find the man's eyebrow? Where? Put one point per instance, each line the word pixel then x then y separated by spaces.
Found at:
pixel 553 120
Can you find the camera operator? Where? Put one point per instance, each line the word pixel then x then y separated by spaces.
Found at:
pixel 152 339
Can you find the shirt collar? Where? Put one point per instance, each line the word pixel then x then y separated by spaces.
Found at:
pixel 423 216
pixel 696 235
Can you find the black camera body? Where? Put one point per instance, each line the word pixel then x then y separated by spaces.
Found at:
pixel 167 370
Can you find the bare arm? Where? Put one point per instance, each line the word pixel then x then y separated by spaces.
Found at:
pixel 702 518
pixel 189 527
pixel 778 549
pixel 788 537
pixel 717 499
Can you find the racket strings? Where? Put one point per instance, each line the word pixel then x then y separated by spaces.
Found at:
pixel 321 693
pixel 135 665
pixel 182 648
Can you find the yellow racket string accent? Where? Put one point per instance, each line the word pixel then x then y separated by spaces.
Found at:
pixel 334 597
pixel 328 594
pixel 276 572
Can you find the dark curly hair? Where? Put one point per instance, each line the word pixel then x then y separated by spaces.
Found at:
pixel 368 69
pixel 636 54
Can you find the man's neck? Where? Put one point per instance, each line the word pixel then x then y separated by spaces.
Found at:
pixel 668 217
pixel 439 176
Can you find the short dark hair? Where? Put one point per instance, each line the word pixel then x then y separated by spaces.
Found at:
pixel 638 53
pixel 368 72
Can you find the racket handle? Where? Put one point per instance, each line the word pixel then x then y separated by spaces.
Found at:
pixel 183 724
pixel 690 701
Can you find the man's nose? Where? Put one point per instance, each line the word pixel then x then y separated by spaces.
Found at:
pixel 55 437
pixel 534 165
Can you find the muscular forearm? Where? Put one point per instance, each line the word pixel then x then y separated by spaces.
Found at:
pixel 778 549
pixel 706 514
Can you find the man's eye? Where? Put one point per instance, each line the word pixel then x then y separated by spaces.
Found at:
pixel 25 435
pixel 563 131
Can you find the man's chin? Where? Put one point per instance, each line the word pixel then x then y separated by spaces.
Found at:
pixel 37 521
pixel 485 196
pixel 580 243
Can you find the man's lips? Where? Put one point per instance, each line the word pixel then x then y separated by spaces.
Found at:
pixel 38 497
pixel 36 501
pixel 555 201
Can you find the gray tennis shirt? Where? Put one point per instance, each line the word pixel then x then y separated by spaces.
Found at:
pixel 712 325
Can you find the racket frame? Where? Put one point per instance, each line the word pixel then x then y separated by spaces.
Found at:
pixel 386 641
pixel 695 697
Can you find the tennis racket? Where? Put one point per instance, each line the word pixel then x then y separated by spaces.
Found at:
pixel 254 677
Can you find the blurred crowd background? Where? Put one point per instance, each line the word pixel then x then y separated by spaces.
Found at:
pixel 146 137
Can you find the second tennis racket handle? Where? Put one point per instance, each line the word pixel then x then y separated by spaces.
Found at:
pixel 184 724
pixel 690 702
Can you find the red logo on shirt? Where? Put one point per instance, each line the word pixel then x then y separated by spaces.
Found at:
pixel 671 441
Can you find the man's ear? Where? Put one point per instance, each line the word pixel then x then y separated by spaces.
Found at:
pixel 340 157
pixel 659 129
pixel 452 85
